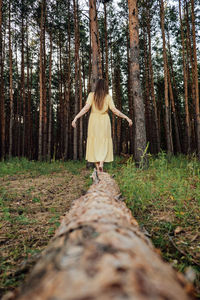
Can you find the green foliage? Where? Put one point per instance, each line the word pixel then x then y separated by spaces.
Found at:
pixel 162 198
pixel 165 180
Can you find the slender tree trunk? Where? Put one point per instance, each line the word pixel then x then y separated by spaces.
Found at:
pixel 187 117
pixel 68 83
pixel 29 118
pixel 2 100
pixel 32 127
pixel 75 152
pixel 130 97
pixel 191 77
pixel 140 131
pixel 196 80
pixel 18 153
pixel 106 45
pixel 11 88
pixel 118 98
pixel 61 100
pixel 178 144
pixel 80 88
pixel 147 94
pixel 50 99
pixel 96 52
pixel 41 84
pixel 44 85
pixel 155 112
pixel 80 107
pixel 23 97
pixel 167 109
pixel 90 63
pixel 114 99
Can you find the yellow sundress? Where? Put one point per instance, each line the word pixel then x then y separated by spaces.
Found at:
pixel 99 141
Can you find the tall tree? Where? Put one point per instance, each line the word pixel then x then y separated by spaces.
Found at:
pixel 2 100
pixel 96 52
pixel 41 83
pixel 187 117
pixel 50 99
pixel 11 86
pixel 106 43
pixel 196 80
pixel 167 108
pixel 77 66
pixel 23 80
pixel 151 75
pixel 140 130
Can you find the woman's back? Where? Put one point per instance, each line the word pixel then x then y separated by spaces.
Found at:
pixel 108 103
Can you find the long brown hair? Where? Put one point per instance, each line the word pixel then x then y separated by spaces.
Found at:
pixel 101 91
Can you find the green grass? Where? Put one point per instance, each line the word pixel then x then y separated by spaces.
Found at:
pixel 162 197
pixel 17 166
pixel 31 204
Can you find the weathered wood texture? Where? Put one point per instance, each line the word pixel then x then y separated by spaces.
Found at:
pixel 99 252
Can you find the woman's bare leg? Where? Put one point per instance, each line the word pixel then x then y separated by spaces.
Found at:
pixel 97 166
pixel 101 166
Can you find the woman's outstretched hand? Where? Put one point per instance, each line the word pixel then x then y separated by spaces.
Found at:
pixel 74 123
pixel 130 123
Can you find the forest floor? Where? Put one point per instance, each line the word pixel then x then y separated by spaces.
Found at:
pixel 33 196
pixel 164 198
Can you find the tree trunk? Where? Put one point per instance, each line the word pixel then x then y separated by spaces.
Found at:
pixel 80 89
pixel 2 99
pixel 44 152
pixel 196 81
pixel 187 117
pixel 99 252
pixel 50 99
pixel 140 131
pixel 96 52
pixel 23 84
pixel 130 98
pixel 114 99
pixel 167 109
pixel 118 98
pixel 75 152
pixel 29 115
pixel 80 107
pixel 68 83
pixel 153 97
pixel 41 84
pixel 147 106
pixel 176 129
pixel 106 45
pixel 11 88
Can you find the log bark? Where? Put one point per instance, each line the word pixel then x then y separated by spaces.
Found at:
pixel 99 252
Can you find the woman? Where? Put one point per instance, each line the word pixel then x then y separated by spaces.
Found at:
pixel 99 147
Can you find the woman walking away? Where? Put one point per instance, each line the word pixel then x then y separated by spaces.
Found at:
pixel 99 147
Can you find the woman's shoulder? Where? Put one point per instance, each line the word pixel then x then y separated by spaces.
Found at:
pixel 108 97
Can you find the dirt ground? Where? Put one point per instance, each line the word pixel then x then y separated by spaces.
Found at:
pixel 30 214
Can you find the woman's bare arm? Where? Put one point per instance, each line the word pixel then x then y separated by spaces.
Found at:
pixel 81 113
pixel 118 113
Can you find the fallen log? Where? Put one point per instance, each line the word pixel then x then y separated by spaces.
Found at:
pixel 99 252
